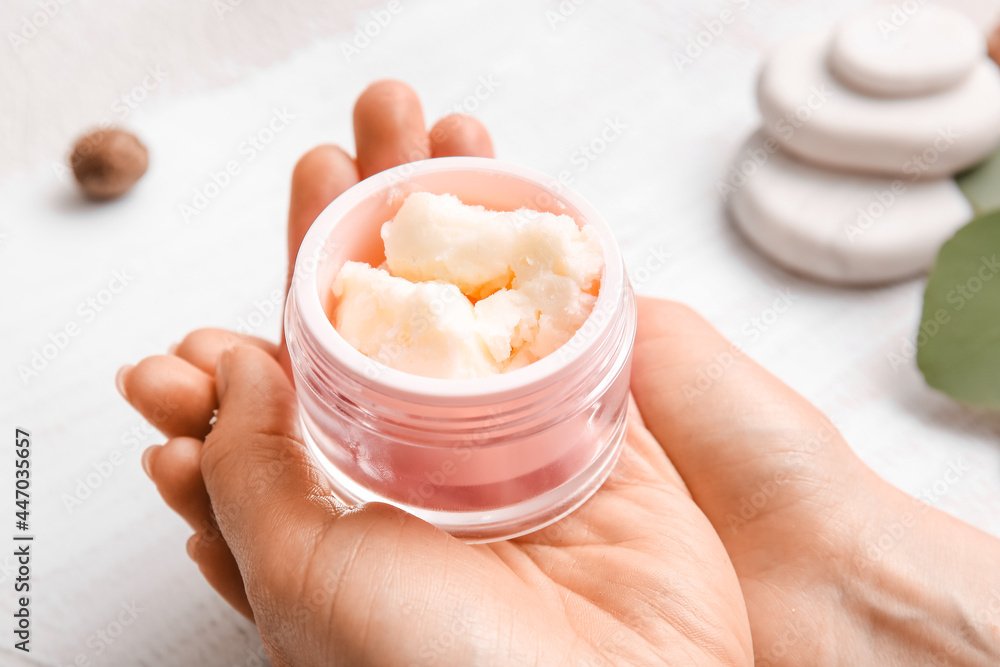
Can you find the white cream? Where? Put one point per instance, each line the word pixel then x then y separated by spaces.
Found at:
pixel 421 328
pixel 437 237
pixel 469 292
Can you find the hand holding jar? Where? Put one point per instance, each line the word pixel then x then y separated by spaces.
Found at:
pixel 662 564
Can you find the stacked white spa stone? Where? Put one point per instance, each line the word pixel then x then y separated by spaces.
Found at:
pixel 850 179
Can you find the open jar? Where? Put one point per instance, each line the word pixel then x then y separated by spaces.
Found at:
pixel 484 459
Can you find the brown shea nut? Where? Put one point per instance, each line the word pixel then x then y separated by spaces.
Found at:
pixel 994 45
pixel 106 163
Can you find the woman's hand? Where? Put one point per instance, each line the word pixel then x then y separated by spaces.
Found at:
pixel 835 565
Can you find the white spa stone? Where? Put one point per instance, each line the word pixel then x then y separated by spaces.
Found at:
pixel 820 120
pixel 843 228
pixel 886 51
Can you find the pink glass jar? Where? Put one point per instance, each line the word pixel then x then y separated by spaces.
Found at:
pixel 484 459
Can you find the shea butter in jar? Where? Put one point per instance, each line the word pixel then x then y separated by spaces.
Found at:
pixel 485 458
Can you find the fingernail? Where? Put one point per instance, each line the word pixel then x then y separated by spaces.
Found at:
pixel 192 546
pixel 172 348
pixel 147 462
pixel 120 378
pixel 222 372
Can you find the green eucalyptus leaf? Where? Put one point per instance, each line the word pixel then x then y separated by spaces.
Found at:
pixel 981 184
pixel 958 345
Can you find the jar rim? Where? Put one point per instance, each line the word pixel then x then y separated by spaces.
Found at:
pixel 552 368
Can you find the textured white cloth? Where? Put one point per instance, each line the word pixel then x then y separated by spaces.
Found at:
pixel 547 89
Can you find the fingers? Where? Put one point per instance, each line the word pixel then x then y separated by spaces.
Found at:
pixel 216 562
pixel 460 134
pixel 202 348
pixel 320 176
pixel 175 468
pixel 171 394
pixel 389 127
pixel 266 493
pixel 176 393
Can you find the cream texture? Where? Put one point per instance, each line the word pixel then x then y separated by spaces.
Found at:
pixel 466 292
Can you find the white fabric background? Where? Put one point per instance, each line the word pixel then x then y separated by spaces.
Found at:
pixel 557 87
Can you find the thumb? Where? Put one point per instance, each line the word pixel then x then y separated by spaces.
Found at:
pixel 314 570
pixel 725 423
pixel 269 498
